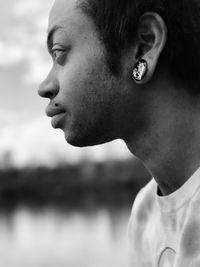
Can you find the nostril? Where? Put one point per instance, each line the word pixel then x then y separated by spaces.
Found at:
pixel 48 90
pixel 48 95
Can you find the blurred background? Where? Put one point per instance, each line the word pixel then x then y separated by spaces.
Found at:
pixel 60 206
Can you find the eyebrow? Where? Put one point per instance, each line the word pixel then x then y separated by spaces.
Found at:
pixel 50 36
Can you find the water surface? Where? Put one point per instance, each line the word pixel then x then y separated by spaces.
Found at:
pixel 50 237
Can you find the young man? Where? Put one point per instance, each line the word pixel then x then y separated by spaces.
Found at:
pixel 130 69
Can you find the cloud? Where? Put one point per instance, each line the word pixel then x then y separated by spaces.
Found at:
pixel 23 37
pixel 10 54
pixel 37 69
pixel 23 7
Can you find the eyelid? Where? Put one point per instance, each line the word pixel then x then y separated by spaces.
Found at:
pixel 57 47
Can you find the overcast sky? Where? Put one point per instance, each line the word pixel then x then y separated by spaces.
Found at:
pixel 25 131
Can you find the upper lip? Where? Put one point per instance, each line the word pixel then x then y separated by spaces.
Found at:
pixel 52 111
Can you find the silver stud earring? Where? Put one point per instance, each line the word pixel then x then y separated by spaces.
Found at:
pixel 140 70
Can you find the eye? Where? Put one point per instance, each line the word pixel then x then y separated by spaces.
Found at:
pixel 58 54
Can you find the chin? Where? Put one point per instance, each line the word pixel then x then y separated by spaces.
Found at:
pixel 80 140
pixel 76 142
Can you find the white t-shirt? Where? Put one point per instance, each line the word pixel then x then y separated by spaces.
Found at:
pixel 165 231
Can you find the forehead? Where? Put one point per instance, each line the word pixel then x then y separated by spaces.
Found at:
pixel 66 14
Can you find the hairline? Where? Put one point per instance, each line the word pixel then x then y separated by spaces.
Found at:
pixel 113 60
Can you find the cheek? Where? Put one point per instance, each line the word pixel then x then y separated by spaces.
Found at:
pixel 85 89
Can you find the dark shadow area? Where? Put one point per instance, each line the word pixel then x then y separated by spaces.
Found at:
pixel 85 186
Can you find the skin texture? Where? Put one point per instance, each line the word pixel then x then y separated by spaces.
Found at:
pixel 80 82
pixel 157 118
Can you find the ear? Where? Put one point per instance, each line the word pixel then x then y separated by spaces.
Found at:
pixel 151 39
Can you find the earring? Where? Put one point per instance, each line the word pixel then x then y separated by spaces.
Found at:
pixel 140 70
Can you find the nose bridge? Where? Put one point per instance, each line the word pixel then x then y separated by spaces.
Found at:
pixel 49 87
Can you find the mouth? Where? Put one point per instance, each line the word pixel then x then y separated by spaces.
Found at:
pixel 57 114
pixel 57 120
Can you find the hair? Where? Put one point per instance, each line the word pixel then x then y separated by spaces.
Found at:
pixel 117 21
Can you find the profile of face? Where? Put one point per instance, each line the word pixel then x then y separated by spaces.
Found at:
pixel 87 101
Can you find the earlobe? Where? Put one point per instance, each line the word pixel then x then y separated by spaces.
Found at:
pixel 140 70
pixel 152 36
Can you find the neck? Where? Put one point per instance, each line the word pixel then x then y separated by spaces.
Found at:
pixel 170 146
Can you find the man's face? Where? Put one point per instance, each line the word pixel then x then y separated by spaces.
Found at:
pixel 86 101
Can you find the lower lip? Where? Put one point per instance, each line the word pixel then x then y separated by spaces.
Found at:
pixel 57 120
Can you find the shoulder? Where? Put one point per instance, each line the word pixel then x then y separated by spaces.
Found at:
pixel 142 210
pixel 143 207
pixel 144 200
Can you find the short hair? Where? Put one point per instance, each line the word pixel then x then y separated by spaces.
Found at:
pixel 117 21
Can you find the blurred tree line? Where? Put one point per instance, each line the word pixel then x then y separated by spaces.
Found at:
pixel 83 185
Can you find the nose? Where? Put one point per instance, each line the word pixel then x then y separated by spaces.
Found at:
pixel 48 88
